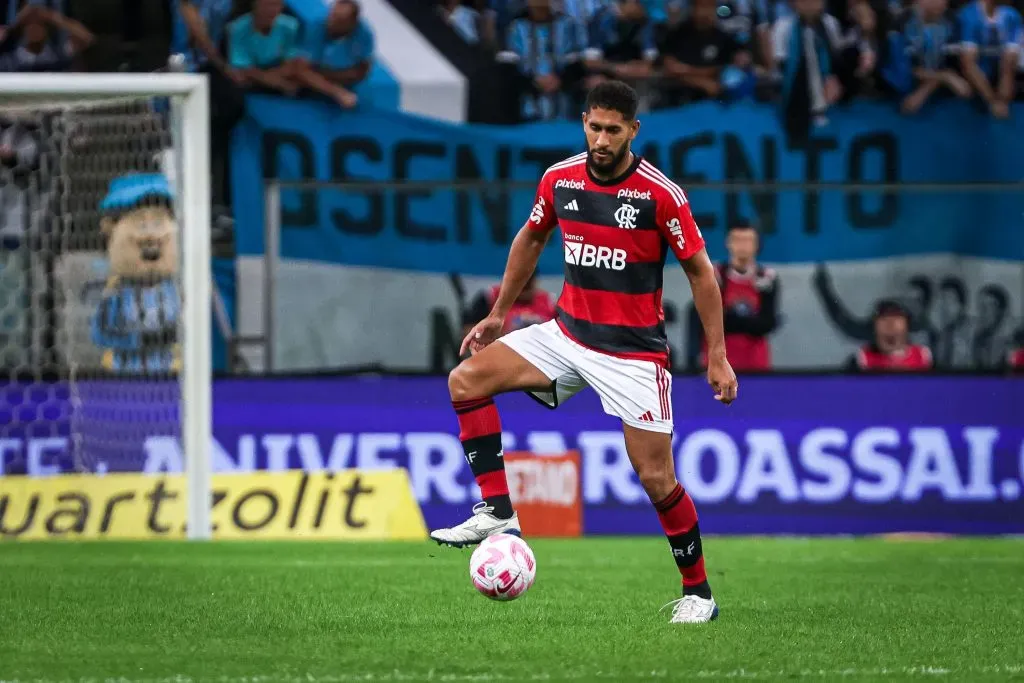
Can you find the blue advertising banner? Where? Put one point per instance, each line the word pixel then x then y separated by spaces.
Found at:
pixel 468 231
pixel 795 455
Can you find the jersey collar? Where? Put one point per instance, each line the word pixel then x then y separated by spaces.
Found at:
pixel 618 180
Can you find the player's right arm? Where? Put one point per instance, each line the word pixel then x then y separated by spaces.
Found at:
pixel 523 256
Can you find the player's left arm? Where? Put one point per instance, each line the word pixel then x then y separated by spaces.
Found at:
pixel 684 238
pixel 707 297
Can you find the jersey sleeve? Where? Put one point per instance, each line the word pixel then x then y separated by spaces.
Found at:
pixel 677 225
pixel 542 217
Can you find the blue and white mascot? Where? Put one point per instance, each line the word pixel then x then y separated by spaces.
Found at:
pixel 136 324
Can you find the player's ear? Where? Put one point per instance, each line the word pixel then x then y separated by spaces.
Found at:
pixel 636 129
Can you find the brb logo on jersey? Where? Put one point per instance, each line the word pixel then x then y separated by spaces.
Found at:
pixel 579 253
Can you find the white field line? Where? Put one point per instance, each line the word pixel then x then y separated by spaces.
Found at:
pixel 434 676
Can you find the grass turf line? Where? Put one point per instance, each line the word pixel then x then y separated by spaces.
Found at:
pixel 850 609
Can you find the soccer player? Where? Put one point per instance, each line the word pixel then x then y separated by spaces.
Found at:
pixel 619 216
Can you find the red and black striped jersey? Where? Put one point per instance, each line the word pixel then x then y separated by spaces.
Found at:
pixel 616 235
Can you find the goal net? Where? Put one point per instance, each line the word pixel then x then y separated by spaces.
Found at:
pixel 104 278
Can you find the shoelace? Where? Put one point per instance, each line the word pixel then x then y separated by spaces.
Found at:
pixel 482 507
pixel 683 606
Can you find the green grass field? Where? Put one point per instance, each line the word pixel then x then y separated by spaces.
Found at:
pixel 311 612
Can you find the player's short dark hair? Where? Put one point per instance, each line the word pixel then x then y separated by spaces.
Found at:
pixel 614 96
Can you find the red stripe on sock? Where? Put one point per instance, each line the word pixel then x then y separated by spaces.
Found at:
pixel 492 484
pixel 679 518
pixel 671 499
pixel 694 575
pixel 479 422
pixel 471 403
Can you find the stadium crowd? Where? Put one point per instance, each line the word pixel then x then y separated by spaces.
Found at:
pixel 242 45
pixel 810 54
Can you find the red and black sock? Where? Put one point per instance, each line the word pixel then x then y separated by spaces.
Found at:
pixel 480 433
pixel 679 520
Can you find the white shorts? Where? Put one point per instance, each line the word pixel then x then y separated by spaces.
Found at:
pixel 639 392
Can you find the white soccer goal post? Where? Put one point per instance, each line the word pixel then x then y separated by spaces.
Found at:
pixel 64 139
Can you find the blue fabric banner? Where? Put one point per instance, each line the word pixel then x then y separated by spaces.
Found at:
pixel 795 455
pixel 445 230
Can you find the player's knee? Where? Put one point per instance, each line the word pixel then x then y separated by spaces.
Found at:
pixel 657 480
pixel 463 383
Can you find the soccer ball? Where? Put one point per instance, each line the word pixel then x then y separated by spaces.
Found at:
pixel 502 567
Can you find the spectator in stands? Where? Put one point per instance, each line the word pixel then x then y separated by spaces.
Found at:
pixel 348 51
pixel 546 46
pixel 923 49
pixel 989 52
pixel 205 23
pixel 862 22
pixel 750 298
pixel 264 46
pixel 746 21
pixel 533 306
pixel 586 11
pixel 9 10
pixel 891 349
pixel 622 43
pixel 695 54
pixel 33 42
pixel 808 47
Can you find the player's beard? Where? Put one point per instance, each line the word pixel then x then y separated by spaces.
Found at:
pixel 605 165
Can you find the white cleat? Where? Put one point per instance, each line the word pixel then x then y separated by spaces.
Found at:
pixel 692 609
pixel 478 527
